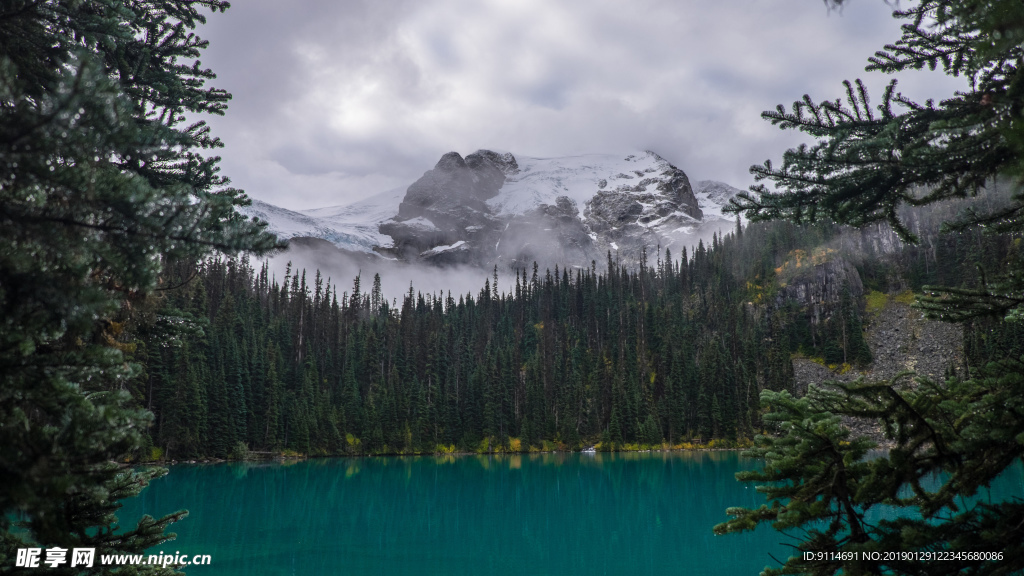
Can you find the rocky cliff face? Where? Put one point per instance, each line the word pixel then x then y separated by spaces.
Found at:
pixel 448 205
pixel 820 287
pixel 648 213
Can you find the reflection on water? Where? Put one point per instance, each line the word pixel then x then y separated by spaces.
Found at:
pixel 556 513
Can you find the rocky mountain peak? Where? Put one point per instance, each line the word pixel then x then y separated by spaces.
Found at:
pixel 574 210
pixel 448 204
pixel 450 162
pixel 491 207
pixel 505 162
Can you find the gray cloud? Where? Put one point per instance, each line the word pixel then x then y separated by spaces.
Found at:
pixel 335 100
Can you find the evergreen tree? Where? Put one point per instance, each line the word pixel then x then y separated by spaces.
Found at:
pixel 556 365
pixel 865 166
pixel 98 178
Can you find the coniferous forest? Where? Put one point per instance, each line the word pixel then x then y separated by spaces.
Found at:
pixel 670 351
pixel 675 351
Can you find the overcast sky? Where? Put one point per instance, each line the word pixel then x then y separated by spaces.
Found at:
pixel 335 100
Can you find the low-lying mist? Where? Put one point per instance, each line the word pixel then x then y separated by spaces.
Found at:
pixel 548 248
pixel 395 276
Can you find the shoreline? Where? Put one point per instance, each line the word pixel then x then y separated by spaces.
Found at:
pixel 283 457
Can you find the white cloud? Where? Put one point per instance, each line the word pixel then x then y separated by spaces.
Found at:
pixel 336 100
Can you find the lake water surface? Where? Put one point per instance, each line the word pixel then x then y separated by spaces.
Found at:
pixel 614 514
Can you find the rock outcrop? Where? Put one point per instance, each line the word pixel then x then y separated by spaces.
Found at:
pixel 449 204
pixel 646 213
pixel 820 287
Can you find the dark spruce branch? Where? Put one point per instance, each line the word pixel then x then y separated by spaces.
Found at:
pixel 863 169
pixel 99 180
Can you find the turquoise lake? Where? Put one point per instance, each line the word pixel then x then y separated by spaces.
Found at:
pixel 564 513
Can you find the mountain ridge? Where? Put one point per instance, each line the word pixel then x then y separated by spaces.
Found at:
pixel 495 208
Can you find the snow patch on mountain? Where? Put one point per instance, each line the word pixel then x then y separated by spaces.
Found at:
pixel 713 197
pixel 354 227
pixel 439 249
pixel 543 180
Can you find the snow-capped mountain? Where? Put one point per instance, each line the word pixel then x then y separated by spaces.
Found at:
pixel 494 207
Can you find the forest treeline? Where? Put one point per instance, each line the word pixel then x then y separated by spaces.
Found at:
pixel 674 350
